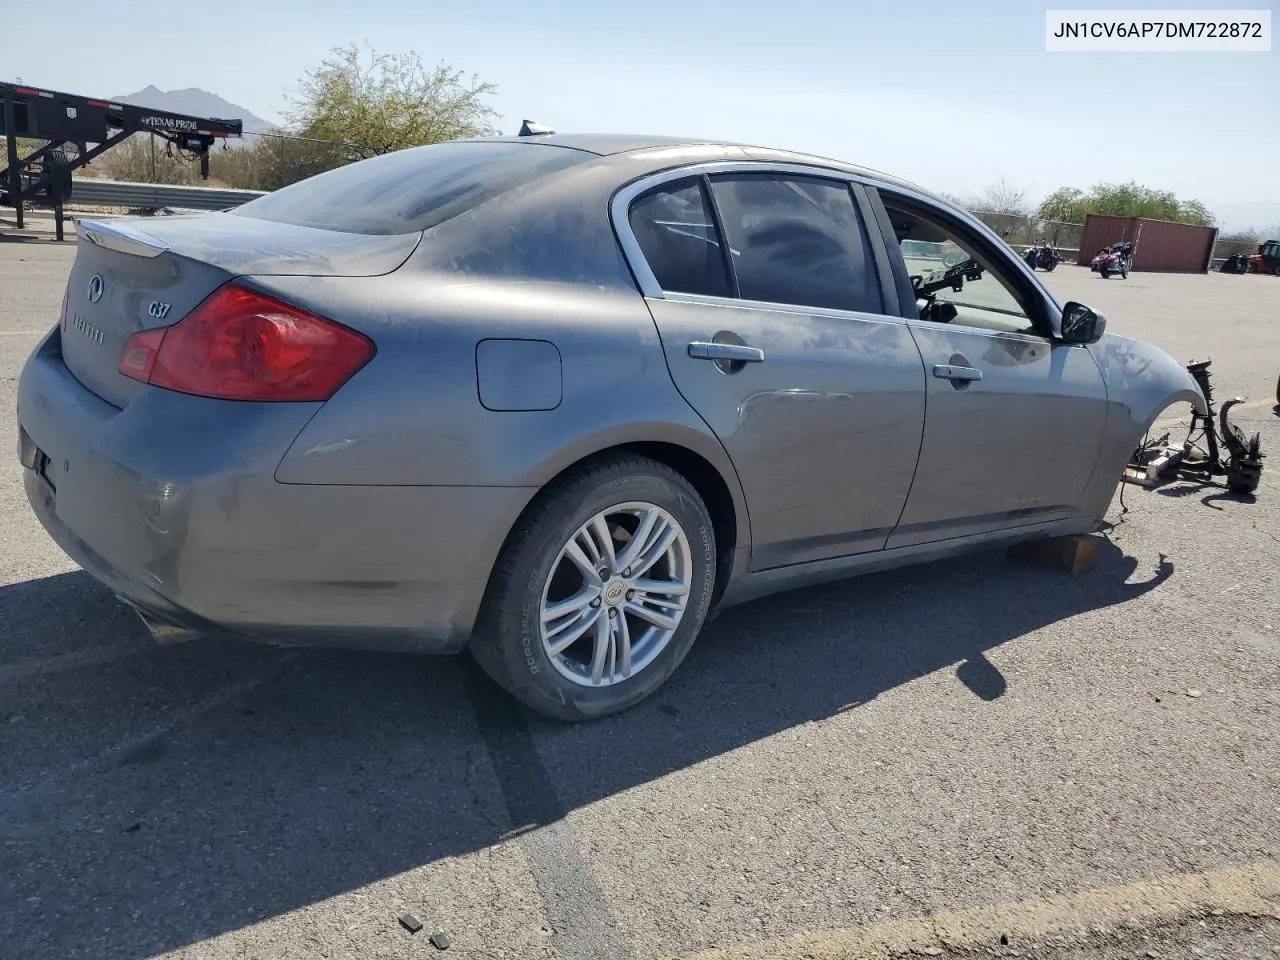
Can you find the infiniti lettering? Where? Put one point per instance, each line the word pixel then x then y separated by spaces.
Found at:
pixel 87 328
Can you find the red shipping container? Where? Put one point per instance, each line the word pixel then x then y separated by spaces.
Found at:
pixel 1158 245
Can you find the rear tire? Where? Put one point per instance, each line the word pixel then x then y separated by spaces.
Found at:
pixel 1105 273
pixel 519 640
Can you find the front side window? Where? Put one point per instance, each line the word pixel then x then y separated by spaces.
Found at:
pixel 797 240
pixel 953 280
pixel 677 234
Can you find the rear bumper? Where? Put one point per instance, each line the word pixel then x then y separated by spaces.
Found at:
pixel 172 503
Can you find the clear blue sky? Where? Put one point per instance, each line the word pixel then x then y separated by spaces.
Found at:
pixel 953 95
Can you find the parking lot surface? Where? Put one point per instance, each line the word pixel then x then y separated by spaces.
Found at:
pixel 1002 744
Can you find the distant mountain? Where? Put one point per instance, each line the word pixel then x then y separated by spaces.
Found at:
pixel 197 103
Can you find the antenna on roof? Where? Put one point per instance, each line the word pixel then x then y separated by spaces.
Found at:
pixel 531 129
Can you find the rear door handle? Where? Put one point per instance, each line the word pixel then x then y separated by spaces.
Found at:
pixel 725 351
pixel 948 372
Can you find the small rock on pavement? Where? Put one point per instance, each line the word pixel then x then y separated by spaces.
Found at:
pixel 410 923
pixel 1193 693
pixel 440 940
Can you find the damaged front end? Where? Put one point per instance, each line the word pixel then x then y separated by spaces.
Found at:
pixel 1243 465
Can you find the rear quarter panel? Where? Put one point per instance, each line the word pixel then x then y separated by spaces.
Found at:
pixel 413 415
pixel 540 263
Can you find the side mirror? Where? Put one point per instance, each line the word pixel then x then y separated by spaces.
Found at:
pixel 1080 324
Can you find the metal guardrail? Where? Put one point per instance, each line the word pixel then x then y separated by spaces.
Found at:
pixel 116 193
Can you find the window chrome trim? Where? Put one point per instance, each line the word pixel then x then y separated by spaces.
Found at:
pixel 1035 337
pixel 830 313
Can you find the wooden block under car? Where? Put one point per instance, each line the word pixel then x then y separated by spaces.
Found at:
pixel 1074 554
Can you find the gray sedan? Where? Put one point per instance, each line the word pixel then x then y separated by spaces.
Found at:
pixel 554 398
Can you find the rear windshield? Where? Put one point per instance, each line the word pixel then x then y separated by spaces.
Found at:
pixel 411 190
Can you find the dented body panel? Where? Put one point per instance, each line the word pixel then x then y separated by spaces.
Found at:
pixel 1142 381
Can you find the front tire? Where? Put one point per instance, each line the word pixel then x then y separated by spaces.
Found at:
pixel 600 590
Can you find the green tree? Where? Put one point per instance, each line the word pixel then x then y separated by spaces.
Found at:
pixel 1071 205
pixel 388 102
pixel 1064 205
pixel 269 162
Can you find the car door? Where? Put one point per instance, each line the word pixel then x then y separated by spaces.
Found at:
pixel 768 301
pixel 1014 419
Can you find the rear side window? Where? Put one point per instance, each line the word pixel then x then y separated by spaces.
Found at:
pixel 677 235
pixel 797 240
pixel 411 190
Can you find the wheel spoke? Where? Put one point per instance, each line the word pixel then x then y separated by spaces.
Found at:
pixel 573 604
pixel 586 566
pixel 611 669
pixel 672 604
pixel 657 618
pixel 638 539
pixel 588 546
pixel 669 588
pixel 561 640
pixel 604 540
pixel 655 551
pixel 604 631
pixel 624 645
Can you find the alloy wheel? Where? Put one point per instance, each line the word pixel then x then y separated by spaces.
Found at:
pixel 616 594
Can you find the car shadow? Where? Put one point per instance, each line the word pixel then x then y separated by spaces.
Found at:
pixel 141 810
pixel 1184 485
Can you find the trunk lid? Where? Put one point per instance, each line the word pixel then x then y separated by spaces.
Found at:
pixel 133 274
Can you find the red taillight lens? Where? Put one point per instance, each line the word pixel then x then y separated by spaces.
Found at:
pixel 243 345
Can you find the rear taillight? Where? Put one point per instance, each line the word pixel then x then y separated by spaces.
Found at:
pixel 243 345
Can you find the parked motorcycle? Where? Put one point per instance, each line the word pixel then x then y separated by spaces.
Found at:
pixel 1042 256
pixel 1236 263
pixel 1117 258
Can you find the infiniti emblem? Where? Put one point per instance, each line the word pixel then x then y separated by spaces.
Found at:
pixel 95 288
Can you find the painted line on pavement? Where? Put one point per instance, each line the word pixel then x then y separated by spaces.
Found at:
pixel 1252 890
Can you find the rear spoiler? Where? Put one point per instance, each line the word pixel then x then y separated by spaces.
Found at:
pixel 119 237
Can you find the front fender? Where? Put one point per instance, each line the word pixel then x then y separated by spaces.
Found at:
pixel 1142 381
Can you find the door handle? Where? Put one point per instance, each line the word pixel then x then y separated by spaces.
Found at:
pixel 725 351
pixel 947 371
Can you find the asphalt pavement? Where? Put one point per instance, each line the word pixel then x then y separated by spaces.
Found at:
pixel 929 760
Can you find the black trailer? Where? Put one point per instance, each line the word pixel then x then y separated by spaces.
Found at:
pixel 76 130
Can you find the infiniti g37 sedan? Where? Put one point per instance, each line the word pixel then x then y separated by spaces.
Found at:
pixel 555 398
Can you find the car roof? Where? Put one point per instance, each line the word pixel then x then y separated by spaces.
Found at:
pixel 614 144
